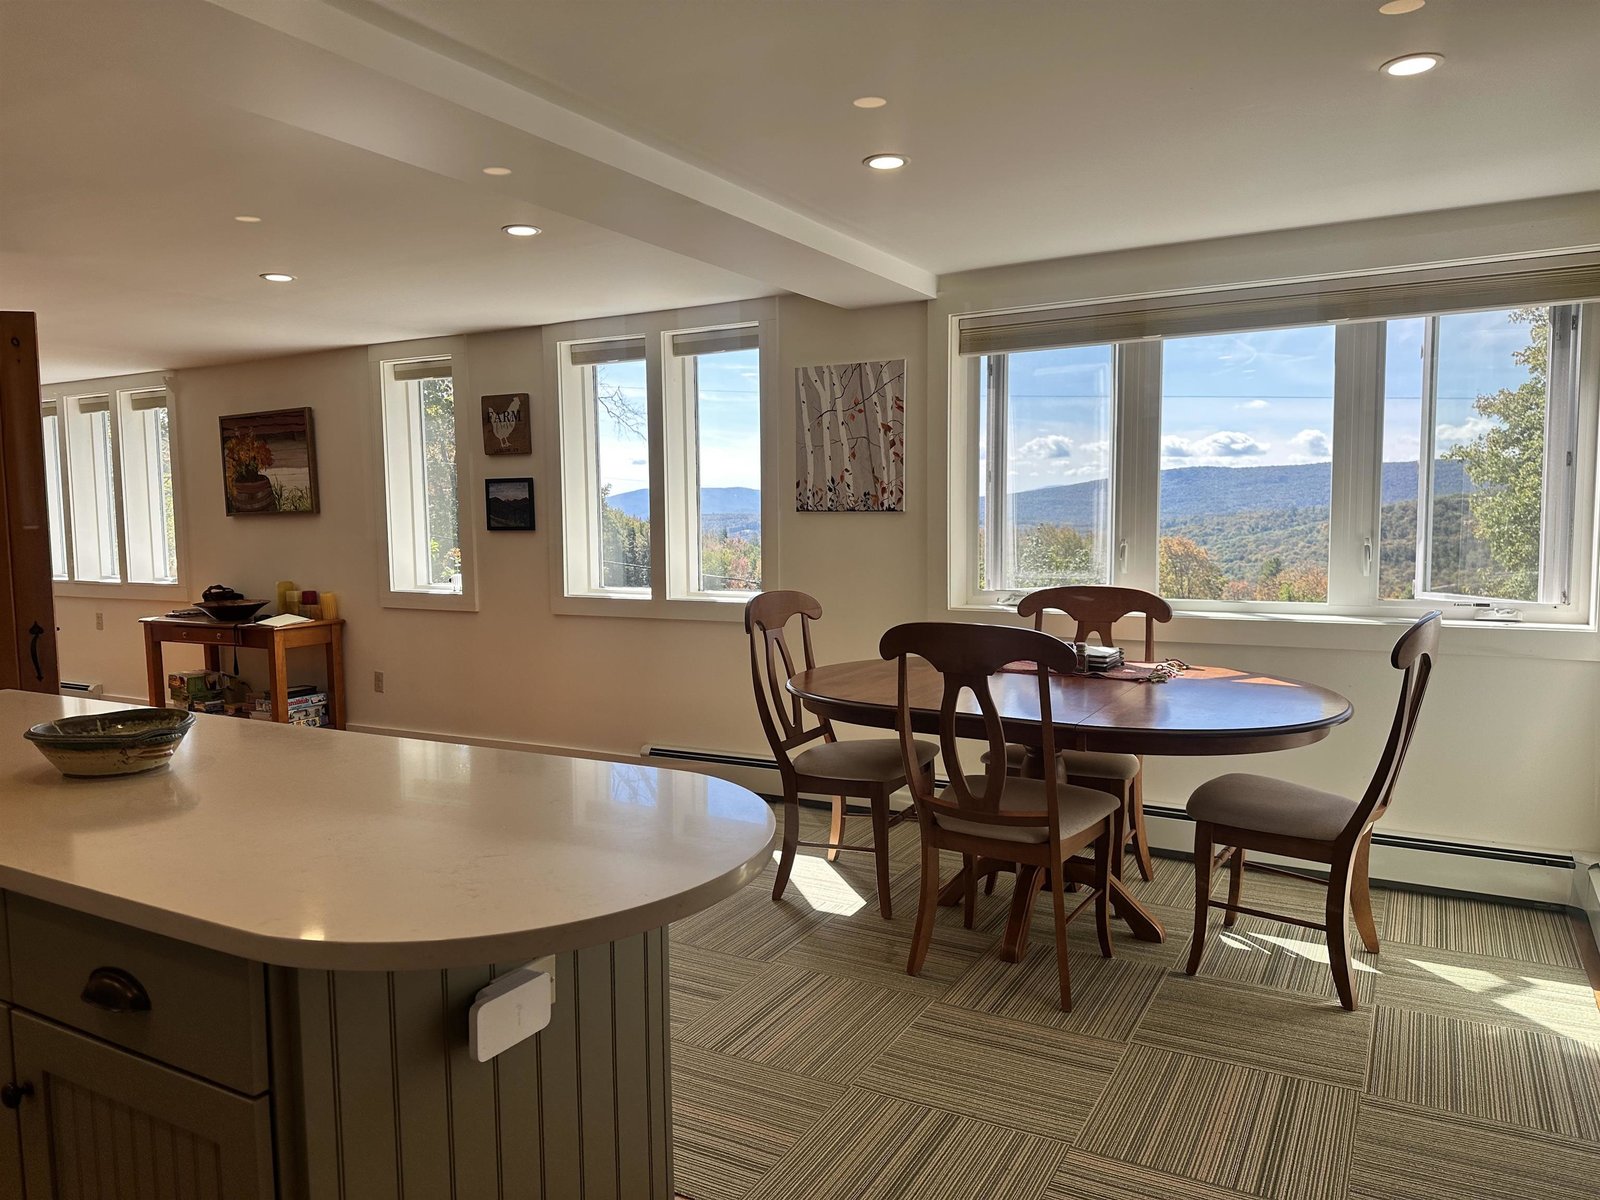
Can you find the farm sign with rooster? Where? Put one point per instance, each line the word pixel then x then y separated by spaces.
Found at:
pixel 850 454
pixel 269 462
pixel 505 424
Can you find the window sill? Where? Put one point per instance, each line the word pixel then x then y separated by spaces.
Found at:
pixel 85 589
pixel 623 605
pixel 465 601
pixel 1359 632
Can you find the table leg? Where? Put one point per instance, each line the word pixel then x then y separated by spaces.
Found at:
pixel 213 658
pixel 155 673
pixel 335 657
pixel 1141 921
pixel 278 680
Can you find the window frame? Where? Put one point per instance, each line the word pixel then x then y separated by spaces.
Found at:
pixel 118 391
pixel 388 437
pixel 671 422
pixel 1354 514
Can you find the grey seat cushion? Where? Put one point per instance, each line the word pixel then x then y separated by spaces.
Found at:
pixel 1271 806
pixel 1080 764
pixel 1080 808
pixel 876 760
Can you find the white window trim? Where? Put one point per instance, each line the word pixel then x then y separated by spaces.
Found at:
pixel 468 477
pixel 117 387
pixel 1353 518
pixel 570 505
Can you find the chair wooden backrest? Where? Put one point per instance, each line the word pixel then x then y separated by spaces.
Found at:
pixel 966 656
pixel 1096 609
pixel 783 717
pixel 1413 654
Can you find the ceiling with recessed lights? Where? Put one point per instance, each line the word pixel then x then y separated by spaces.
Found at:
pixel 683 152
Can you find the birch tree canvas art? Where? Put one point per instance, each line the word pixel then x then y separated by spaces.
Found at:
pixel 850 453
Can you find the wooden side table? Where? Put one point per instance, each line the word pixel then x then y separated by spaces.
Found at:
pixel 276 640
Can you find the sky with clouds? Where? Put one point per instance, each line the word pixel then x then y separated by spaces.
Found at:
pixel 1249 399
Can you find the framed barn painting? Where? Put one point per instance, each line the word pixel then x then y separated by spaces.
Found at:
pixel 269 463
pixel 506 428
pixel 851 448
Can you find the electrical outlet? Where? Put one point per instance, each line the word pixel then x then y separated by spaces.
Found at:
pixel 100 621
pixel 377 681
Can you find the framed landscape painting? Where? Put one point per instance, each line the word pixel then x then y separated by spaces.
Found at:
pixel 269 463
pixel 851 446
pixel 508 503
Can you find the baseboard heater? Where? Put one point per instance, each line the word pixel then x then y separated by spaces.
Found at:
pixel 82 688
pixel 1398 841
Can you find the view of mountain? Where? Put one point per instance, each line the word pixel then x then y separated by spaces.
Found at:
pixel 1199 493
pixel 723 501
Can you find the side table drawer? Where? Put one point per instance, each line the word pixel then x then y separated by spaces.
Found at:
pixel 196 1009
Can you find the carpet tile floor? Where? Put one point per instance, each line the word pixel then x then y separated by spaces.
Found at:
pixel 807 1064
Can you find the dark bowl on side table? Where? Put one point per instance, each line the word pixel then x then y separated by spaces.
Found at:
pixel 124 742
pixel 230 610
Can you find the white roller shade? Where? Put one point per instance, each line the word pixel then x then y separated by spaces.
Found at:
pixel 146 401
pixel 716 341
pixel 1307 302
pixel 589 354
pixel 93 404
pixel 433 368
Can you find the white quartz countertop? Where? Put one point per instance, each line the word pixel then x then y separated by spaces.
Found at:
pixel 345 851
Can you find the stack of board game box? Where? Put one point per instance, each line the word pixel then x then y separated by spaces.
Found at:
pixel 208 692
pixel 306 707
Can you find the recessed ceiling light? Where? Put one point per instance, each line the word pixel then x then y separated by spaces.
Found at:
pixel 248 220
pixel 869 102
pixel 277 277
pixel 521 230
pixel 497 170
pixel 1412 64
pixel 1395 8
pixel 885 162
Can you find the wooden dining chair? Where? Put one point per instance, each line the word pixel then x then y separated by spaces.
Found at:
pixel 1035 824
pixel 1096 611
pixel 870 770
pixel 1253 812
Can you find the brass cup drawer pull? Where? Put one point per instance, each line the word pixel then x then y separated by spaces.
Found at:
pixel 13 1094
pixel 113 990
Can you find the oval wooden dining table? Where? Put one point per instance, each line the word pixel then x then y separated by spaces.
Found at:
pixel 1203 711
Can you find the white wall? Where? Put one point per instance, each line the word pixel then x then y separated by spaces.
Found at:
pixel 1506 753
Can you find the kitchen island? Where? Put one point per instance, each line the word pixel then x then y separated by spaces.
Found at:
pixel 247 974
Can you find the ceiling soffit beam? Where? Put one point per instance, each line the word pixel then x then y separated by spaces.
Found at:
pixel 330 72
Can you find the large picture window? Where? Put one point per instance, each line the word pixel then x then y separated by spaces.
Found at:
pixel 109 483
pixel 1374 464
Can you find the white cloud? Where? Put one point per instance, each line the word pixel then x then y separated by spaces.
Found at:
pixel 1469 430
pixel 1221 445
pixel 1313 442
pixel 1046 446
pixel 1253 404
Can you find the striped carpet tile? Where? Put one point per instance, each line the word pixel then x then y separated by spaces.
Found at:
pixel 873 1147
pixel 1259 1132
pixel 1511 1076
pixel 1497 990
pixel 1276 954
pixel 701 977
pixel 733 1120
pixel 750 924
pixel 1406 1154
pixel 1272 1030
pixel 1108 994
pixel 1530 935
pixel 874 951
pixel 809 1024
pixel 1084 1177
pixel 1041 1081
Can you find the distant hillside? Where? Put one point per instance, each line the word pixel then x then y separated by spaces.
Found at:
pixel 739 501
pixel 1198 493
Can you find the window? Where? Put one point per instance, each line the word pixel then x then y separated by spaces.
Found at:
pixel 1479 455
pixel 1413 444
pixel 719 391
pixel 110 485
pixel 662 462
pixel 1246 465
pixel 427 555
pixel 1044 468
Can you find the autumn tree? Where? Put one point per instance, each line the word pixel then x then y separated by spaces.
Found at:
pixel 1187 572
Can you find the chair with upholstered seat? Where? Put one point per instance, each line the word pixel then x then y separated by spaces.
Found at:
pixel 1036 824
pixel 871 770
pixel 1253 812
pixel 1096 610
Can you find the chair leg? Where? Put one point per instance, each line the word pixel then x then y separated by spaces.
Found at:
pixel 927 905
pixel 1361 896
pixel 1119 832
pixel 1202 893
pixel 1141 843
pixel 791 841
pixel 880 850
pixel 1107 850
pixel 1337 918
pixel 1235 885
pixel 1058 895
pixel 836 827
pixel 988 882
pixel 969 890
